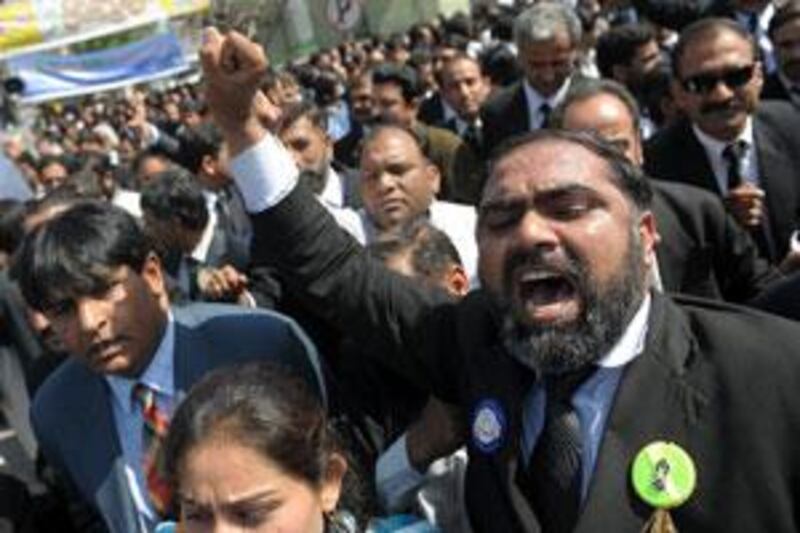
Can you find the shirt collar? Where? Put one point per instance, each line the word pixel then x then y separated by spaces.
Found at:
pixel 332 193
pixel 535 99
pixel 200 252
pixel 715 146
pixel 158 375
pixel 631 344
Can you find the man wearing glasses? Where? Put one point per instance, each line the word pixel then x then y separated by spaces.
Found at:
pixel 748 153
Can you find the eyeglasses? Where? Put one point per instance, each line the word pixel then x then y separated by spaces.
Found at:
pixel 734 78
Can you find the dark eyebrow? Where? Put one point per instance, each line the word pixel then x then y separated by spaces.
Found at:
pixel 541 197
pixel 243 501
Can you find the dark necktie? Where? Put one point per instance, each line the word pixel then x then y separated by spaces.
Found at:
pixel 554 474
pixel 734 157
pixel 154 429
pixel 472 136
pixel 544 112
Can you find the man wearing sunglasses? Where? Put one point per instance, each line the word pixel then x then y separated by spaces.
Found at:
pixel 748 153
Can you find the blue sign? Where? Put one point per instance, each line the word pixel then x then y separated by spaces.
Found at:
pixel 47 75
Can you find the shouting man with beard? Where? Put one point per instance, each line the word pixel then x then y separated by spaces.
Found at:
pixel 564 361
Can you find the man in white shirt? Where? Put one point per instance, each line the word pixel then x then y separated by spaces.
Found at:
pixel 398 184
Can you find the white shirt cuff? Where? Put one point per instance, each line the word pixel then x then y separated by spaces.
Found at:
pixel 265 174
pixel 395 479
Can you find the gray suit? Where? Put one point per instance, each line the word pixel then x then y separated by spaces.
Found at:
pixel 72 414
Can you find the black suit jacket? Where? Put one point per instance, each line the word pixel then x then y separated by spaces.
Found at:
pixel 703 251
pixel 774 89
pixel 675 154
pixel 504 115
pixel 718 380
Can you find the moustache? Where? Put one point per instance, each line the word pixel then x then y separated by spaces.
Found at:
pixel 719 107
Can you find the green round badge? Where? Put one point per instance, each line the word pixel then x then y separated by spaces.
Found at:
pixel 663 475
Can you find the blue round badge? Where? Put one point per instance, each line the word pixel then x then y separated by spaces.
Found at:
pixel 488 425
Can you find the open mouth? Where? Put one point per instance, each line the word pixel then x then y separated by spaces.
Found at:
pixel 548 297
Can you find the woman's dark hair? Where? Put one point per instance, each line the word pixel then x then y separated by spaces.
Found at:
pixel 260 406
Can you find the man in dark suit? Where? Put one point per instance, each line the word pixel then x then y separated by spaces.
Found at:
pixel 347 150
pixel 303 131
pixel 565 252
pixel 548 37
pixel 746 153
pixel 784 31
pixel 93 275
pixel 701 251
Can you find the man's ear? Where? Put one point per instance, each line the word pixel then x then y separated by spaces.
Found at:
pixel 434 176
pixel 208 165
pixel 457 281
pixel 153 275
pixel 648 236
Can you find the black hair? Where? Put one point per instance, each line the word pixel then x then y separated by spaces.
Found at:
pixel 403 76
pixel 618 46
pixel 12 215
pixel 261 406
pixel 501 65
pixel 303 109
pixel 628 178
pixel 174 195
pixel 430 250
pixel 47 160
pixel 76 253
pixel 786 13
pixel 203 140
pixel 703 29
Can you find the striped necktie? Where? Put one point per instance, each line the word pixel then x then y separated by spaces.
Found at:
pixel 154 429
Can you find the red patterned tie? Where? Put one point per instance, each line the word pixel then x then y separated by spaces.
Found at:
pixel 154 430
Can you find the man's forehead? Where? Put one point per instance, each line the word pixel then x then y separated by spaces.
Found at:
pixel 394 143
pixel 546 165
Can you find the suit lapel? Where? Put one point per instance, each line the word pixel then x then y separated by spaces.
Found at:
pixel 695 164
pixel 105 466
pixel 653 403
pixel 775 175
pixel 519 118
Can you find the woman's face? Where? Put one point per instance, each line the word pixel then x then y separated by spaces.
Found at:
pixel 225 486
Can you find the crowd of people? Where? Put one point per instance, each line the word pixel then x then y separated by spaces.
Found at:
pixel 460 278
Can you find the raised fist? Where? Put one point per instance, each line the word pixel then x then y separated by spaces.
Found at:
pixel 233 67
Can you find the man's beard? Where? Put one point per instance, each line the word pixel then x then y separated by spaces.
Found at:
pixel 315 178
pixel 605 313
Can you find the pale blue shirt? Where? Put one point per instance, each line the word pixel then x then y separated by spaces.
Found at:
pixel 535 101
pixel 159 376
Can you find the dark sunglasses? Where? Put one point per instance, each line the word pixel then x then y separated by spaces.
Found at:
pixel 705 83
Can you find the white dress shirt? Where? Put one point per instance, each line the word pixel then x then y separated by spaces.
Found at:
pixel 719 165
